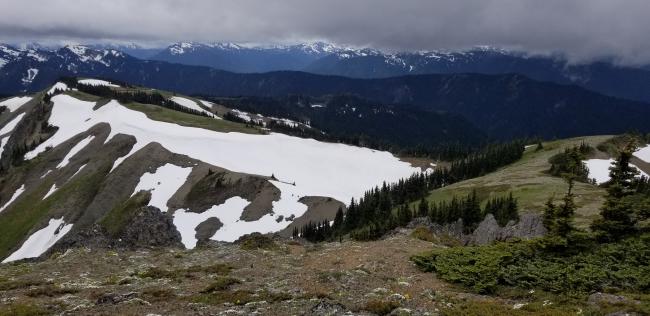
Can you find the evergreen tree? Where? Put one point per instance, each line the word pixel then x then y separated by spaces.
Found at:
pixel 617 218
pixel 548 220
pixel 423 207
pixel 564 213
pixel 471 211
pixel 338 219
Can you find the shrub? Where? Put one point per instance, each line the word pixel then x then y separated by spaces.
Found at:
pixel 526 264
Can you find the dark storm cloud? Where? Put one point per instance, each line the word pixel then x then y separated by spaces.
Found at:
pixel 581 29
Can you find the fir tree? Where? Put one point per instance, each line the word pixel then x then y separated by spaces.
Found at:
pixel 423 207
pixel 617 219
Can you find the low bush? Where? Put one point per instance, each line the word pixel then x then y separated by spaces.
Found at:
pixel 621 266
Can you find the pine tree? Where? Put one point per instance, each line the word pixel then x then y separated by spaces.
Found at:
pixel 617 219
pixel 548 220
pixel 471 211
pixel 423 207
pixel 338 219
pixel 564 213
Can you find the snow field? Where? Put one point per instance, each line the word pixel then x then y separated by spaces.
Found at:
pixel 40 241
pixel 318 169
pixel 162 184
pixel 15 103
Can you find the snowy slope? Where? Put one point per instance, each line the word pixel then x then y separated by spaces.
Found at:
pixel 15 103
pixel 162 184
pixel 41 241
pixel 190 104
pixel 317 169
pixel 643 153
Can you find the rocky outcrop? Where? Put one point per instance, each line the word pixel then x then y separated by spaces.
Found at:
pixel 529 226
pixel 149 227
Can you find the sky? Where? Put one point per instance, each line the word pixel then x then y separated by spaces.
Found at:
pixel 581 30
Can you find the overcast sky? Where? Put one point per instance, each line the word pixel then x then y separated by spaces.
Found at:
pixel 580 29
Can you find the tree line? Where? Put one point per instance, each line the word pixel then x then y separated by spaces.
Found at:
pixel 138 96
pixel 384 208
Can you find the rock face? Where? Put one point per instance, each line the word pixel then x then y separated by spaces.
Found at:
pixel 488 231
pixel 149 227
pixel 529 226
pixel 208 228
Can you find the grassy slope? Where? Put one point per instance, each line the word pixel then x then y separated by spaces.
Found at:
pixel 165 115
pixel 528 181
pixel 158 113
pixel 19 219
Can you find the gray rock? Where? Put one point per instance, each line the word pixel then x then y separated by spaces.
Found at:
pixel 529 226
pixel 327 308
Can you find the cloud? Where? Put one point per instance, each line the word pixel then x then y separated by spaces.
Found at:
pixel 580 29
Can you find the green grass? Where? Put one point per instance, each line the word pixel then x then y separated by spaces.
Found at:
pixel 119 216
pixel 17 221
pixel 83 96
pixel 166 115
pixel 530 183
pixel 22 309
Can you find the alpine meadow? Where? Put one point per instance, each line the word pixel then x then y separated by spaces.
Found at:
pixel 309 157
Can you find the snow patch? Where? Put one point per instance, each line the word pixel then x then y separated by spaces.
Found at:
pixel 97 82
pixel 190 104
pixel 186 222
pixel 13 197
pixel 78 147
pixel 599 169
pixel 210 105
pixel 31 75
pixel 78 170
pixel 9 127
pixel 162 184
pixel 40 241
pixel 58 86
pixel 52 189
pixel 15 103
pixel 643 153
pixel 3 142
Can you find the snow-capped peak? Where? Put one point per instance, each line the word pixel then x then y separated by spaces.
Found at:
pixel 79 50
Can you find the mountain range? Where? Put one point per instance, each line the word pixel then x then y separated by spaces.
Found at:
pixel 503 106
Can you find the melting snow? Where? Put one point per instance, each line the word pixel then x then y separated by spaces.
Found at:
pixel 186 222
pixel 78 170
pixel 15 103
pixel 58 86
pixel 8 128
pixel 39 242
pixel 163 183
pixel 31 75
pixel 97 82
pixel 318 168
pixel 12 124
pixel 643 153
pixel 242 115
pixel 52 189
pixel 210 105
pixel 599 169
pixel 13 197
pixel 190 104
pixel 3 142
pixel 78 147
